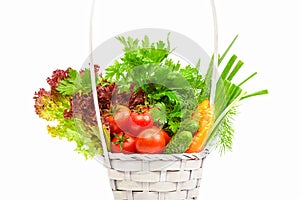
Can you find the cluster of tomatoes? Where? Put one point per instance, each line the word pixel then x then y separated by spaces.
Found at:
pixel 135 131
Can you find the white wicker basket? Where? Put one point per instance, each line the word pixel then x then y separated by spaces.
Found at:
pixel 155 176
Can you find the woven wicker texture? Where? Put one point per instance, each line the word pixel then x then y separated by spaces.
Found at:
pixel 155 177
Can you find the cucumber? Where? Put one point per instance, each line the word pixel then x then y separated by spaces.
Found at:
pixel 179 143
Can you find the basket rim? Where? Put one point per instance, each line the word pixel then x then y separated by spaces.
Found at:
pixel 154 157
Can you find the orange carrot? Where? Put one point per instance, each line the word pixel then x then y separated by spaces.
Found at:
pixel 205 114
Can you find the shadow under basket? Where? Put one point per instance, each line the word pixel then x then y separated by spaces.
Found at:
pixel 155 176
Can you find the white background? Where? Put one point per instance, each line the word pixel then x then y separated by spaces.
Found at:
pixel 38 37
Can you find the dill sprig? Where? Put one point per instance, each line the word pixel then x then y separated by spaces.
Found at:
pixel 226 131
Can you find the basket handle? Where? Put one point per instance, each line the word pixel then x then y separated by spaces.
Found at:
pixel 216 56
pixel 92 71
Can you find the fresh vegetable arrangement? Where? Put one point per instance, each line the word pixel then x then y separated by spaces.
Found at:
pixel 149 103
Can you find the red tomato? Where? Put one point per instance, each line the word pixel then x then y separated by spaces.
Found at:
pixel 113 127
pixel 123 143
pixel 142 118
pixel 140 121
pixel 150 141
pixel 165 134
pixel 121 116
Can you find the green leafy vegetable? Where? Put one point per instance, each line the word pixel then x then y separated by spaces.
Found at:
pixel 77 82
pixel 86 138
pixel 136 55
pixel 174 90
pixel 158 112
pixel 54 104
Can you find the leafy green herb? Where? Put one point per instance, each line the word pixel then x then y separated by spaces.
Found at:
pixel 77 83
pixel 158 113
pixel 136 55
pixel 225 131
pixel 174 90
